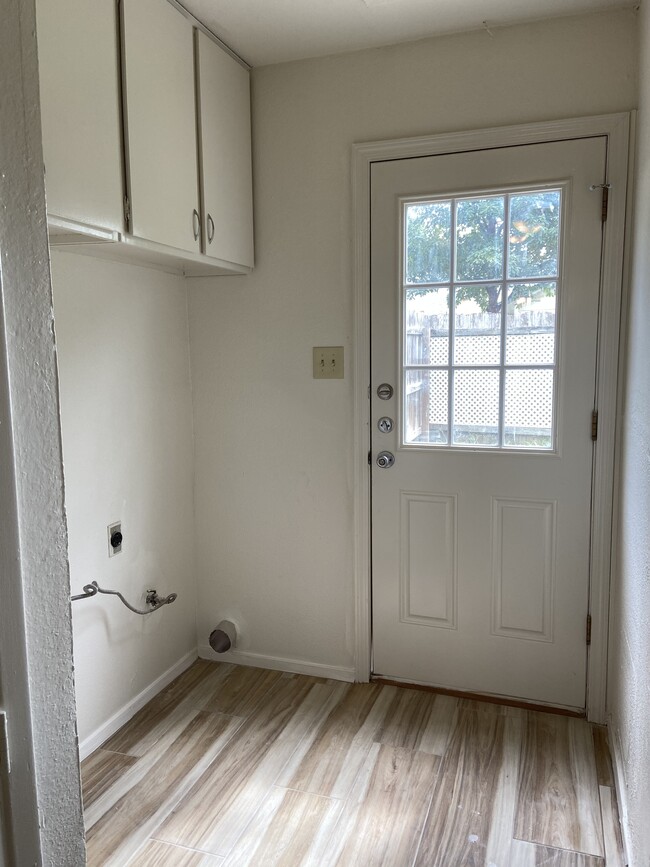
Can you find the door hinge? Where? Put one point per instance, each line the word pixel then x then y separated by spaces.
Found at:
pixel 127 213
pixel 605 199
pixel 594 425
pixel 4 744
pixel 588 630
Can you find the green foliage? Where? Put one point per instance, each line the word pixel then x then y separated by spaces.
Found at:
pixel 533 227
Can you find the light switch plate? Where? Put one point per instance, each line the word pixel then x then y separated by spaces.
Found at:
pixel 328 362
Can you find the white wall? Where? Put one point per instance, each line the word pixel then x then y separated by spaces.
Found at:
pixel 629 680
pixel 44 818
pixel 126 420
pixel 274 448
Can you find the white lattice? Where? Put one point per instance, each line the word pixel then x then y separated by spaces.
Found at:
pixel 477 349
pixel 529 399
pixel 438 397
pixel 476 398
pixel 530 349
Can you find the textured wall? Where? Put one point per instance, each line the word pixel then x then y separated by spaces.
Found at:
pixel 274 447
pixel 35 629
pixel 126 420
pixel 629 680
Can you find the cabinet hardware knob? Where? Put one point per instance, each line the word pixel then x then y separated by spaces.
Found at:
pixel 196 224
pixel 210 229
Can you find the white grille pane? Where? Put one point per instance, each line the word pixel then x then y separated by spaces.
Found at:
pixel 426 407
pixel 528 410
pixel 534 234
pixel 477 325
pixel 476 408
pixel 428 242
pixel 530 323
pixel 427 326
pixel 479 238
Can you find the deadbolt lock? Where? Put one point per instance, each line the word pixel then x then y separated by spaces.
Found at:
pixel 385 391
pixel 385 424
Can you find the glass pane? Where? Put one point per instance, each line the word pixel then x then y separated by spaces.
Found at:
pixel 428 242
pixel 477 325
pixel 534 234
pixel 427 326
pixel 528 411
pixel 476 408
pixel 426 399
pixel 530 323
pixel 479 238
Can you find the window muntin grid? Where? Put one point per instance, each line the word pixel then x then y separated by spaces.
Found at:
pixel 478 372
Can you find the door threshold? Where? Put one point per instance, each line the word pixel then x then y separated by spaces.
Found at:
pixel 480 696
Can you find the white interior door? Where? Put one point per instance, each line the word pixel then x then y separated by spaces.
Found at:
pixel 485 273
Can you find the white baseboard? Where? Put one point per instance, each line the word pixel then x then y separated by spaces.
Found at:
pixel 619 783
pixel 278 663
pixel 97 738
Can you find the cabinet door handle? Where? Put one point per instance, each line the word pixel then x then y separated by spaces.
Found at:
pixel 196 224
pixel 210 229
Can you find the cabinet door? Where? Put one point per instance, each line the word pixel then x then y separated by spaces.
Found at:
pixel 80 110
pixel 160 117
pixel 225 133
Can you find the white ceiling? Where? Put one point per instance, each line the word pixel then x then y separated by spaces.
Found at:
pixel 274 31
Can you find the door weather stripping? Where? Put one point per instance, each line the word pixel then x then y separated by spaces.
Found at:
pixel 588 630
pixel 594 425
pixel 605 189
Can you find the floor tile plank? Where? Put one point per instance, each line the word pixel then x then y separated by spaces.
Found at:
pixel 525 854
pixel 458 827
pixel 614 853
pixel 337 753
pixel 383 819
pixel 100 770
pixel 157 854
pixel 419 720
pixel 291 829
pixel 216 812
pixel 558 791
pixel 120 831
pixel 156 718
pixel 604 766
pixel 240 692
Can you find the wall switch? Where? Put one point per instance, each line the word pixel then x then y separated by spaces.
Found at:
pixel 328 362
pixel 114 538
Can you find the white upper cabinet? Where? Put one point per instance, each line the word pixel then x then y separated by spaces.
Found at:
pixel 80 112
pixel 160 121
pixel 225 148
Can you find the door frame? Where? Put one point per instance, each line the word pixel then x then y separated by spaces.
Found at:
pixel 616 128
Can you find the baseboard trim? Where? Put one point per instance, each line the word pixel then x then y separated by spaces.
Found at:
pixel 279 663
pixel 124 714
pixel 619 783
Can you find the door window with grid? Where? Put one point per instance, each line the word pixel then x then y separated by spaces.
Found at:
pixel 480 290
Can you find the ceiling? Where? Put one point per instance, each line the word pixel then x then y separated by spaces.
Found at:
pixel 274 31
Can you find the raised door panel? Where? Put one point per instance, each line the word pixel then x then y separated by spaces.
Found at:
pixel 80 111
pixel 225 124
pixel 160 117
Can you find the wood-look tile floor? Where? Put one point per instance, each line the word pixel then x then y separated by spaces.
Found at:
pixel 240 767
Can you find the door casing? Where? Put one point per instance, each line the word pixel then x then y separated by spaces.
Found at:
pixel 616 127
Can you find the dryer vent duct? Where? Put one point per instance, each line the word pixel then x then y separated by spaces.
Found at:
pixel 223 637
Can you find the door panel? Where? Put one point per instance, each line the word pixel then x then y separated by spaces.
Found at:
pixel 481 527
